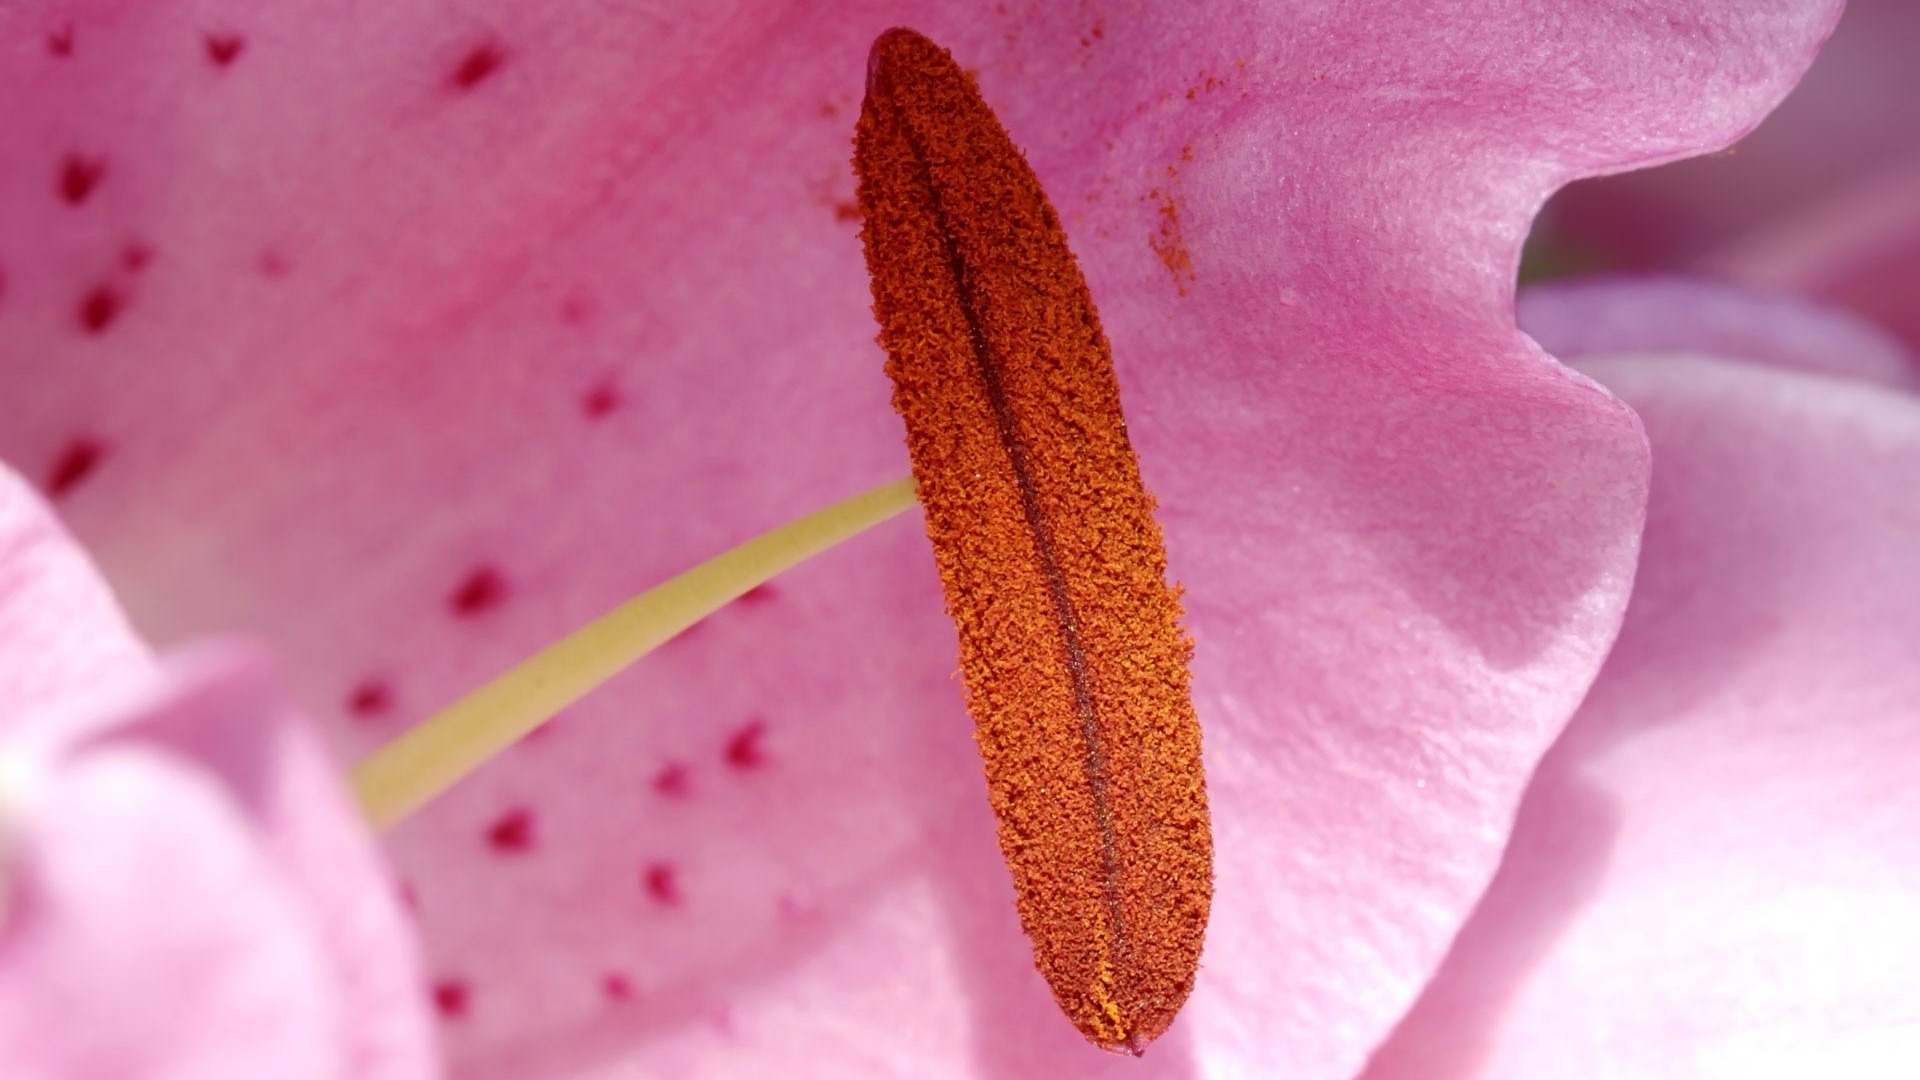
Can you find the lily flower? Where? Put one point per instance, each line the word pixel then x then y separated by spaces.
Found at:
pixel 409 342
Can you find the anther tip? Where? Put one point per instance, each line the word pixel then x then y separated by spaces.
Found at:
pixel 890 42
pixel 1133 1044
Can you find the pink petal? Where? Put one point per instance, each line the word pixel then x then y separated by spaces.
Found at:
pixel 1714 872
pixel 1851 117
pixel 1859 249
pixel 185 890
pixel 231 720
pixel 65 646
pixel 1595 316
pixel 451 327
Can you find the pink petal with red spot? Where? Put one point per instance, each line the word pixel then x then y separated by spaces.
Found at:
pixel 186 893
pixel 568 318
pixel 1715 870
pixel 1578 319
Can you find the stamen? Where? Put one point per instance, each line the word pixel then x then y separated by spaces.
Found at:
pixel 1055 572
pixel 436 753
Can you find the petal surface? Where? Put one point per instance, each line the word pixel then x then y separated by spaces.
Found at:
pixel 409 341
pixel 170 826
pixel 65 645
pixel 1849 119
pixel 1578 319
pixel 1859 248
pixel 1713 873
pixel 1822 199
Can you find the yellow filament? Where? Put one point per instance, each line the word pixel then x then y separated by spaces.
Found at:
pixel 405 774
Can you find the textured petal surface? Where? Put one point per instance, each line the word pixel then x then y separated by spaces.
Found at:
pixel 173 829
pixel 408 341
pixel 1715 871
pixel 1575 320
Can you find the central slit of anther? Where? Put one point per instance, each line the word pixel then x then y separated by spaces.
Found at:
pixel 1076 660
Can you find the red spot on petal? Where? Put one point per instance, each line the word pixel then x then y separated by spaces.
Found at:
pixel 848 211
pixel 483 61
pixel 600 401
pixel 576 310
pixel 513 832
pixel 274 265
pixel 744 751
pixel 662 883
pixel 673 781
pixel 617 987
pixel 224 49
pixel 75 463
pixel 79 175
pixel 452 997
pixel 99 308
pixel 795 909
pixel 759 594
pixel 408 897
pixel 482 591
pixel 136 255
pixel 60 42
pixel 373 697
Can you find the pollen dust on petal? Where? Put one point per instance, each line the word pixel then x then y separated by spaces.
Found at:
pixel 1204 83
pixel 1166 240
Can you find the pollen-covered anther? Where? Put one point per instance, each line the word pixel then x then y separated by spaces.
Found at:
pixel 1055 572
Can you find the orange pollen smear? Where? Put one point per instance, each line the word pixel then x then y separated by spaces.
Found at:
pixel 1055 572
